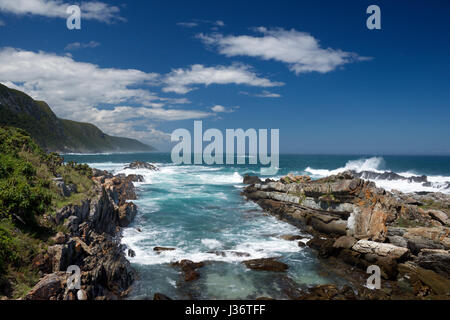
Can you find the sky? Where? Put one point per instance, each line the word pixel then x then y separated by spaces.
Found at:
pixel 311 69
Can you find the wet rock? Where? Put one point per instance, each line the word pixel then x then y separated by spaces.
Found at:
pixel 251 179
pixel 266 264
pixel 136 177
pixel 189 268
pixel 141 165
pixel 291 237
pixel 131 253
pixel 161 249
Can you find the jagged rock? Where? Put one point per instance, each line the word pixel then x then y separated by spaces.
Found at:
pixel 189 268
pixel 266 264
pixel 49 286
pixel 427 238
pixel 291 237
pixel 161 249
pixel 136 178
pixel 127 212
pixel 440 216
pixel 436 282
pixel 344 242
pixel 131 253
pixel 380 249
pixel 141 165
pixel 251 179
pixel 436 260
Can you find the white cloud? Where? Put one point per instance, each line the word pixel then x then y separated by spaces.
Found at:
pixel 197 22
pixel 91 10
pixel 79 45
pixel 2 23
pixel 187 24
pixel 221 109
pixel 184 80
pixel 86 92
pixel 301 51
pixel 263 94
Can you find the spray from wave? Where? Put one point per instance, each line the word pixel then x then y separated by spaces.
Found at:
pixel 373 169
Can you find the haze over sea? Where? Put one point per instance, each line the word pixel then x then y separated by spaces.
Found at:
pixel 199 211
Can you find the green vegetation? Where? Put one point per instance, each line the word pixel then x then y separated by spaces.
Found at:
pixel 59 135
pixel 27 196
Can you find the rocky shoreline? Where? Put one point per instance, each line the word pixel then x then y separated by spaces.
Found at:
pixel 91 241
pixel 355 225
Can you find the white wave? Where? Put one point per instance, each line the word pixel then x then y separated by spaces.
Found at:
pixel 211 243
pixel 438 183
pixel 371 164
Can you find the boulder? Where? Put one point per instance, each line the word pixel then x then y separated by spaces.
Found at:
pixel 141 165
pixel 440 216
pixel 49 286
pixel 251 179
pixel 344 242
pixel 438 284
pixel 436 260
pixel 266 264
pixel 380 249
pixel 60 238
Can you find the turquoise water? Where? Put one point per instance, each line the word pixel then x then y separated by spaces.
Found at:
pixel 198 210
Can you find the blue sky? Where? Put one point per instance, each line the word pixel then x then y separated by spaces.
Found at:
pixel 309 68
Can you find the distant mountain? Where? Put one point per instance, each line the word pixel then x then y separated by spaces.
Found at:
pixel 17 109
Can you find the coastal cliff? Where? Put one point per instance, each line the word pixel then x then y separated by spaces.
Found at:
pixel 54 215
pixel 92 242
pixel 356 225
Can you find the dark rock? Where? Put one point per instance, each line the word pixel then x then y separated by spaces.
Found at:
pixel 141 165
pixel 127 212
pixel 160 296
pixel 136 178
pixel 436 260
pixel 344 242
pixel 131 253
pixel 291 237
pixel 49 286
pixel 251 179
pixel 266 264
pixel 160 249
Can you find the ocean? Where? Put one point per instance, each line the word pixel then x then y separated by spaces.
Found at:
pixel 199 211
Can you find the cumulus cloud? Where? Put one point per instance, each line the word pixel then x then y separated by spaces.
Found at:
pixel 184 80
pixel 91 10
pixel 221 109
pixel 86 92
pixel 299 50
pixel 79 45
